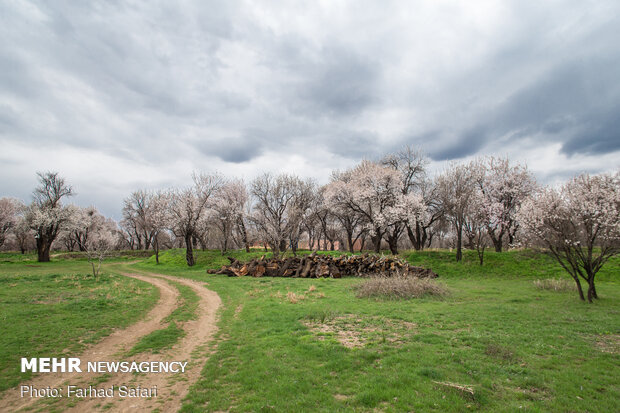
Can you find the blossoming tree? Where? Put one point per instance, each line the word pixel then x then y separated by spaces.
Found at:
pixel 46 215
pixel 579 224
pixel 503 188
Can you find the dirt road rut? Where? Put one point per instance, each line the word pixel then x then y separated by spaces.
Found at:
pixel 171 387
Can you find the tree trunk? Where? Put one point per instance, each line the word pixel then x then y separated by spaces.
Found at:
pixel 225 245
pixel 393 243
pixel 497 243
pixel 43 249
pixel 579 289
pixel 376 239
pixel 275 249
pixel 350 241
pixel 189 252
pixel 459 242
pixel 594 290
pixel 156 249
pixel 511 237
pixel 412 238
pixel 480 250
pixel 429 241
pixel 244 235
pixel 497 240
pixel 591 289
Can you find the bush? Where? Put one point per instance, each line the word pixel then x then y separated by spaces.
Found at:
pixel 400 288
pixel 555 284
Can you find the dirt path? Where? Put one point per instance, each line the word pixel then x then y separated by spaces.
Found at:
pixel 171 387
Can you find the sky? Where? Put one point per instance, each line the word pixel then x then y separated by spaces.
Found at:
pixel 123 95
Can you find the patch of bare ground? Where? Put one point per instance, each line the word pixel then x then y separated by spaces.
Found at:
pixel 356 332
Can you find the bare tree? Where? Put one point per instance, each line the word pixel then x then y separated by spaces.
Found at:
pixel 135 211
pixel 100 242
pixel 157 219
pixel 457 187
pixel 188 207
pixel 145 218
pixel 305 197
pixel 476 225
pixel 46 215
pixel 279 207
pixel 228 212
pixel 579 223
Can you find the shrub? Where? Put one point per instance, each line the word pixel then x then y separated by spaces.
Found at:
pixel 555 284
pixel 400 288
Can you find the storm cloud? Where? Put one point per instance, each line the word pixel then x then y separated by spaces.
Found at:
pixel 118 96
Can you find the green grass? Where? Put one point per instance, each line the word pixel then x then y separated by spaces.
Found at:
pixel 517 346
pixel 158 340
pixel 187 306
pixel 166 337
pixel 54 309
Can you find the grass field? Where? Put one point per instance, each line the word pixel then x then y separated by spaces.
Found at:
pixel 495 343
pixel 54 309
pixel 515 346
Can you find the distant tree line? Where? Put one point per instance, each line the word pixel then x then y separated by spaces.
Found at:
pixel 389 203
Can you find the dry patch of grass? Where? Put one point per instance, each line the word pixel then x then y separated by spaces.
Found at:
pixel 238 311
pixel 400 288
pixel 294 298
pixel 534 393
pixel 608 343
pixel 462 388
pixel 555 284
pixel 500 352
pixel 355 332
pixel 256 292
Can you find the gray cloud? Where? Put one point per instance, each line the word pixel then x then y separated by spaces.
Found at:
pixel 150 87
pixel 340 82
